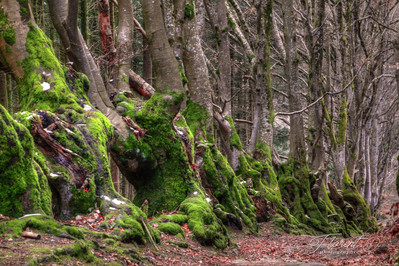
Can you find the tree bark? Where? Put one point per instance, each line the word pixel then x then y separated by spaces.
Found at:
pixel 297 137
pixel 165 67
pixel 64 17
pixel 124 44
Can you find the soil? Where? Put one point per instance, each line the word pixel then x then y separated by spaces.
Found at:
pixel 270 247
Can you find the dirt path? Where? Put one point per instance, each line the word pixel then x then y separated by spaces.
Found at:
pixel 269 247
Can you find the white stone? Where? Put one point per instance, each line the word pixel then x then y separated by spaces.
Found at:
pixel 45 86
pixel 118 202
pixel 87 107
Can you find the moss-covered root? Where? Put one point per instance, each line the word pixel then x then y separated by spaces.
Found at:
pixel 23 188
pixel 360 212
pixel 204 224
pixel 294 181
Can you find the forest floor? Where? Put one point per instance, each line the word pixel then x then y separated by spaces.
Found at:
pixel 270 247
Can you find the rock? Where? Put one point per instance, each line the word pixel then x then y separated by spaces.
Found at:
pixel 120 109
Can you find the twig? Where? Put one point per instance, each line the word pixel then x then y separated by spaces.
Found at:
pixel 243 121
pixel 140 28
pixel 315 102
pixel 148 232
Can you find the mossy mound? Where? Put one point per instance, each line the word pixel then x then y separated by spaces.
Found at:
pixel 175 218
pixel 170 229
pixel 204 224
pixel 41 223
pixel 80 250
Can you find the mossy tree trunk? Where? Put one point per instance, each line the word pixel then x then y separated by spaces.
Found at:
pixel 64 16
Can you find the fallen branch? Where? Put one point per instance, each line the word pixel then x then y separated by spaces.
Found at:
pixel 148 232
pixel 32 235
pixel 243 121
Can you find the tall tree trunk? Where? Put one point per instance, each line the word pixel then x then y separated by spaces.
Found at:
pixel 64 16
pixel 262 130
pixel 124 44
pixel 297 136
pixel 195 67
pixel 165 67
pixel 224 61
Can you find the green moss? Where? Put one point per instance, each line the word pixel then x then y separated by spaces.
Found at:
pixel 189 10
pixel 175 218
pixel 183 77
pixel 294 182
pixel 362 216
pixel 23 187
pixel 165 175
pixel 203 222
pixel 234 138
pixel 80 250
pixel 75 232
pixel 196 117
pixel 170 228
pixel 7 31
pixel 341 135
